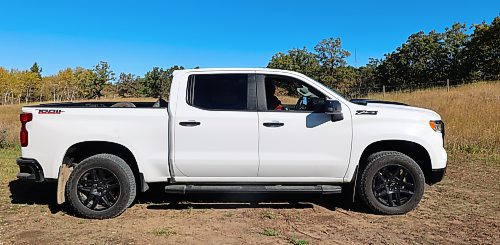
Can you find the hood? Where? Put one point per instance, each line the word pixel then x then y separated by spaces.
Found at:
pixel 366 101
pixel 393 109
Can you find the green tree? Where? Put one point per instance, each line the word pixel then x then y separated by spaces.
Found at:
pixel 452 58
pixel 84 79
pixel 157 81
pixel 37 70
pixel 153 82
pixel 299 60
pixel 483 50
pixel 170 71
pixel 4 86
pixel 26 83
pixel 103 75
pixel 418 60
pixel 347 80
pixel 66 84
pixel 331 56
pixel 128 85
pixel 368 75
pixel 170 76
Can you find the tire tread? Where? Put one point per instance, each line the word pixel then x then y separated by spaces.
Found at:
pixel 119 162
pixel 371 160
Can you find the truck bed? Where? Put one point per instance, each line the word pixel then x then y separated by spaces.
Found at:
pixel 110 104
pixel 142 130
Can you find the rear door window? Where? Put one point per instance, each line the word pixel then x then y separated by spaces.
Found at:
pixel 218 91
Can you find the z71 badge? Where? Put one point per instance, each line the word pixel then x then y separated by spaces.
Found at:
pixel 365 112
pixel 45 111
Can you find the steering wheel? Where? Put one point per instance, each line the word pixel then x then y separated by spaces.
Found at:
pixel 299 106
pixel 311 105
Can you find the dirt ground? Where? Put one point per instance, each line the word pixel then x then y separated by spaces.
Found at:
pixel 463 209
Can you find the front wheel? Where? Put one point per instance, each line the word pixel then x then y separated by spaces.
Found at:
pixel 101 187
pixel 391 183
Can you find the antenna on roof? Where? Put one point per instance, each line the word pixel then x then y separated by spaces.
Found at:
pixel 355 59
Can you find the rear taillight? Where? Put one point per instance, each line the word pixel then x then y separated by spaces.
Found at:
pixel 23 135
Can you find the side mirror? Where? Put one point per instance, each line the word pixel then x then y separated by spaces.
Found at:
pixel 334 109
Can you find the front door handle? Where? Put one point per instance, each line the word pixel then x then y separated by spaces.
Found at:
pixel 273 124
pixel 189 123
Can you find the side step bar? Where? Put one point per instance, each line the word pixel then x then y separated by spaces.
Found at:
pixel 183 189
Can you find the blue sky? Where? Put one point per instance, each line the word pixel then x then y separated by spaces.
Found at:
pixel 134 36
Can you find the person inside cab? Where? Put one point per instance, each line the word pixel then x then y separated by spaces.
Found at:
pixel 273 103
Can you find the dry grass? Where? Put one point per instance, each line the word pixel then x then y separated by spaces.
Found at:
pixel 9 125
pixel 471 113
pixel 288 100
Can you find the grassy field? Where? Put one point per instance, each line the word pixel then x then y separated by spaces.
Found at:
pixel 463 209
pixel 471 114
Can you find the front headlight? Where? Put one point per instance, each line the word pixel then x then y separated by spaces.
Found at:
pixel 437 125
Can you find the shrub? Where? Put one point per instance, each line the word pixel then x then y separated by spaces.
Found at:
pixel 4 137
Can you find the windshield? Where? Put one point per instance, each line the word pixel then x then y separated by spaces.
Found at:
pixel 331 89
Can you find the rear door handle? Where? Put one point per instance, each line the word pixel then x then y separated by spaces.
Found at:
pixel 273 124
pixel 189 123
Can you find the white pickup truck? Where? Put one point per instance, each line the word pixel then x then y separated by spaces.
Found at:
pixel 234 130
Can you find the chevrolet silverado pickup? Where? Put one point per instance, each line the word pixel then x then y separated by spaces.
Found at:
pixel 234 131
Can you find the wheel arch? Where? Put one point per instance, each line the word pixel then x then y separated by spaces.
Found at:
pixel 82 150
pixel 79 151
pixel 412 149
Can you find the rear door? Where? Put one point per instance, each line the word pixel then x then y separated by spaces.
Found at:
pixel 216 132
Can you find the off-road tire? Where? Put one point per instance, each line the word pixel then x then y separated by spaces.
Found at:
pixel 109 164
pixel 380 161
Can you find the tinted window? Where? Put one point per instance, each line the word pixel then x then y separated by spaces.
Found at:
pixel 219 92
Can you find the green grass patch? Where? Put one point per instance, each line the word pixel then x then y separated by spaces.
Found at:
pixel 164 231
pixel 296 241
pixel 8 166
pixel 268 215
pixel 464 147
pixel 8 171
pixel 269 232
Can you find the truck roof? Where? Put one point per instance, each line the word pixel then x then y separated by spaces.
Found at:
pixel 229 69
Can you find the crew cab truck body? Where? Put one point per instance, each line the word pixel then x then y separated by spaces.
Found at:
pixel 234 130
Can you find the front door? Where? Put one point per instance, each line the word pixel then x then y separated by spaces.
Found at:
pixel 216 133
pixel 297 139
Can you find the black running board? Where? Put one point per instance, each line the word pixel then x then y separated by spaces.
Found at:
pixel 183 189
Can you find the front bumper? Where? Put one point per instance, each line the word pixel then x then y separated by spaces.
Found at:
pixel 29 169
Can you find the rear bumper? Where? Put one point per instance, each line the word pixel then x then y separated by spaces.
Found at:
pixel 29 169
pixel 436 175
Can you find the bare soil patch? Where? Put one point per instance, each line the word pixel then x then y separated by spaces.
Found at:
pixel 463 209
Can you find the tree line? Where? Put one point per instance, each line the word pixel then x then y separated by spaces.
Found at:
pixel 81 83
pixel 423 59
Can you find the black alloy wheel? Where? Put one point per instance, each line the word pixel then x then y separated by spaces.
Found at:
pixel 393 185
pixel 101 186
pixel 98 189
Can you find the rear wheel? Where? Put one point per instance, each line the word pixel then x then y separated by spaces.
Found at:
pixel 391 183
pixel 101 186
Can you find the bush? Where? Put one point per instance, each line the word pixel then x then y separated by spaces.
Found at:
pixel 4 136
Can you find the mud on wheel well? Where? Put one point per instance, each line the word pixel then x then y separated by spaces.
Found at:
pixel 415 151
pixel 80 151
